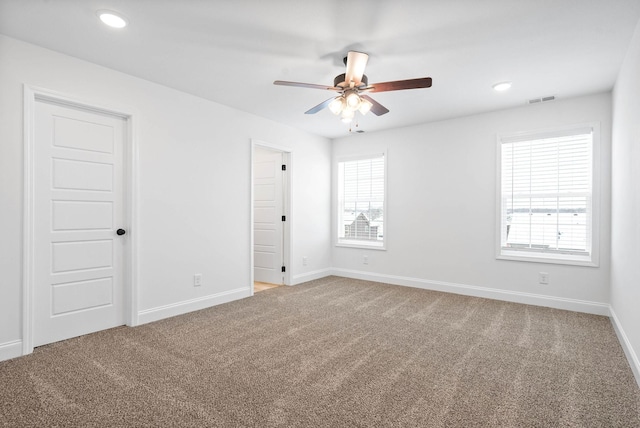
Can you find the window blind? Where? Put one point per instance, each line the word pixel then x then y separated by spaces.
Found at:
pixel 361 187
pixel 547 193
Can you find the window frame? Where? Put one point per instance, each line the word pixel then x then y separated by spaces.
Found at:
pixel 362 244
pixel 590 260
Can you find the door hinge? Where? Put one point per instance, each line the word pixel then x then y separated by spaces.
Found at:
pixel 284 167
pixel 284 269
pixel 284 218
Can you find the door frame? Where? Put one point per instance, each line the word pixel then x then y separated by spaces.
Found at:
pixel 33 94
pixel 287 195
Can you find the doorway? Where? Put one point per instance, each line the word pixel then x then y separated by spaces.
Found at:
pixel 270 217
pixel 77 208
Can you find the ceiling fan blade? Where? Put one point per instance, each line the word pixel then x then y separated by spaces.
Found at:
pixel 306 85
pixel 377 108
pixel 356 62
pixel 397 85
pixel 319 106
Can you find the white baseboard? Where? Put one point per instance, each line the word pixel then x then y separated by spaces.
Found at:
pixel 576 305
pixel 179 308
pixel 10 350
pixel 632 357
pixel 310 276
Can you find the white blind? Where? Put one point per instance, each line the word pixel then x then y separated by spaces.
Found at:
pixel 361 200
pixel 546 194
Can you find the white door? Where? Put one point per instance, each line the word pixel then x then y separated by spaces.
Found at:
pixel 78 208
pixel 268 208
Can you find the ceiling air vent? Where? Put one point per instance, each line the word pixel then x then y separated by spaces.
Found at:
pixel 541 100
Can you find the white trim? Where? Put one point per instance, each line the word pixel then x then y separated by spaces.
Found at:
pixel 554 132
pixel 130 274
pixel 361 156
pixel 251 220
pixel 287 249
pixel 28 221
pixel 540 257
pixel 60 98
pixel 310 276
pixel 261 143
pixel 629 352
pixel 132 200
pixel 593 260
pixel 186 306
pixel 9 350
pixel 363 245
pixel 337 229
pixel 575 305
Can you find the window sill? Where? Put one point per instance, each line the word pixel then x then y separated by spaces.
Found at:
pixel 561 259
pixel 362 245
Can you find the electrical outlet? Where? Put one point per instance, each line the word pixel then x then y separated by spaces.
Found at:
pixel 305 261
pixel 543 277
pixel 365 260
pixel 197 280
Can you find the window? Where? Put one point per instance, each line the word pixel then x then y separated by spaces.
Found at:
pixel 361 208
pixel 547 199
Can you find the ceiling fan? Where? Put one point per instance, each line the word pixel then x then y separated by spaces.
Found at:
pixel 353 87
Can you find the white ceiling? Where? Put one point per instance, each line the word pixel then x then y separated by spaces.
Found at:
pixel 231 51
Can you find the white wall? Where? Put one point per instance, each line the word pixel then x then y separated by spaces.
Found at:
pixel 440 224
pixel 194 175
pixel 625 217
pixel 194 184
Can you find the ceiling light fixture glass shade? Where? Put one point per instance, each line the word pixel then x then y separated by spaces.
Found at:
pixel 337 105
pixel 112 19
pixel 353 101
pixel 347 115
pixel 365 106
pixel 502 86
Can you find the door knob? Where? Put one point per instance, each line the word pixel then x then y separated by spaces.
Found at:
pixel 121 231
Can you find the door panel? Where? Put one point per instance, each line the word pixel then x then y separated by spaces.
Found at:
pixel 264 237
pixel 70 256
pixel 265 192
pixel 265 260
pixel 267 216
pixel 78 205
pixel 70 132
pixel 82 175
pixel 75 296
pixel 79 215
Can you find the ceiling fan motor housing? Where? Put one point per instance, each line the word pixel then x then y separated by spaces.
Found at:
pixel 340 81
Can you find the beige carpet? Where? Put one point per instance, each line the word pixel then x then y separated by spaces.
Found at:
pixel 333 353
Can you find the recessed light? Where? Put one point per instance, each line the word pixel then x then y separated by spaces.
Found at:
pixel 501 86
pixel 112 19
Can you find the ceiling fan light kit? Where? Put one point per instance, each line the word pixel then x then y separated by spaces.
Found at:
pixel 347 115
pixel 352 99
pixel 337 105
pixel 353 85
pixel 365 106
